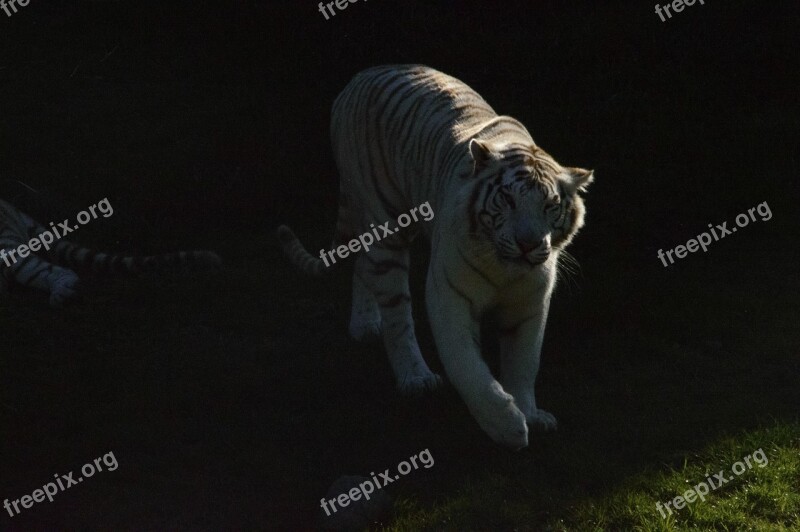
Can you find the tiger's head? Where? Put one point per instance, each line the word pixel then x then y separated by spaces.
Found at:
pixel 525 203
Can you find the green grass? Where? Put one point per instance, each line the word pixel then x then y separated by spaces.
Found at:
pixel 761 498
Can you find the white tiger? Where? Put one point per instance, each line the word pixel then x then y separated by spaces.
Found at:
pixel 505 209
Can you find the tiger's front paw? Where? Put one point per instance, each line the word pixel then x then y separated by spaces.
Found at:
pixel 542 421
pixel 500 418
pixel 538 420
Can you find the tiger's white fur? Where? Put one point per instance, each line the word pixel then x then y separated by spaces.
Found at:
pixel 505 209
pixel 50 271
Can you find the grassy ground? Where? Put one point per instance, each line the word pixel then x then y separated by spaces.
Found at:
pixel 764 497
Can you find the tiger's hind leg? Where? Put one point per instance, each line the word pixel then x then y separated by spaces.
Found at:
pixel 384 272
pixel 365 316
pixel 61 283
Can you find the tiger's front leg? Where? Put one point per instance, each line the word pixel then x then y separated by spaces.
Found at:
pixel 457 334
pixel 521 350
pixel 521 335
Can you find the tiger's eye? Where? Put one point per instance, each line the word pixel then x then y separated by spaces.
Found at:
pixel 510 200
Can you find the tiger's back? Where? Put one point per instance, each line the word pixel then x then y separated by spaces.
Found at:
pixel 399 134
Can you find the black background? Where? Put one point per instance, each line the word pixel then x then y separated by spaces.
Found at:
pixel 206 124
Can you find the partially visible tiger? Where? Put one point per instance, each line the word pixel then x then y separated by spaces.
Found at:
pixel 45 271
pixel 505 209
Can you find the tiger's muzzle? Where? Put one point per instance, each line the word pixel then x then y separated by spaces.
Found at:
pixel 535 253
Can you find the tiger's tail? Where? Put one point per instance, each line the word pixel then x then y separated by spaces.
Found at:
pixel 298 255
pixel 69 254
pixel 296 251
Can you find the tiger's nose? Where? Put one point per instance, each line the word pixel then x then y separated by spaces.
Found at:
pixel 528 245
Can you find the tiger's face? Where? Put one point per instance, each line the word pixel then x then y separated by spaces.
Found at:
pixel 526 204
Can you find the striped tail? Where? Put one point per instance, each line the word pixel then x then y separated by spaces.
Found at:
pixel 297 253
pixel 71 255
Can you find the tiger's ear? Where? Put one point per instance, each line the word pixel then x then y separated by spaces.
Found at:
pixel 579 178
pixel 482 154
